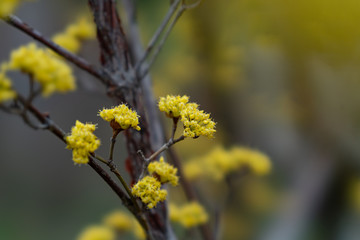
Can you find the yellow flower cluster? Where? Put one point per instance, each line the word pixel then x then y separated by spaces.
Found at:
pixel 220 162
pixel 119 221
pixel 6 92
pixel 148 189
pixel 122 115
pixel 173 105
pixel 7 7
pixel 97 233
pixel 122 222
pixel 74 33
pixel 82 141
pixel 196 122
pixel 165 171
pixel 53 74
pixel 189 215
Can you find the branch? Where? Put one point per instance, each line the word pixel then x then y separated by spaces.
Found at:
pixel 157 34
pixel 78 61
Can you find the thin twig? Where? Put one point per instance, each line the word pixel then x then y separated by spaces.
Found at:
pixel 157 34
pixel 162 41
pixel 78 61
pixel 167 145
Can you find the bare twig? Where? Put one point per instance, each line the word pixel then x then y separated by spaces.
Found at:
pixel 78 61
pixel 162 41
pixel 167 145
pixel 158 33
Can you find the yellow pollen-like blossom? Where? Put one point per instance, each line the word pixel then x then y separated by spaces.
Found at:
pixel 148 190
pixel 6 92
pixel 53 74
pixel 122 115
pixel 173 105
pixel 7 7
pixel 119 221
pixel 197 122
pixel 138 230
pixel 97 233
pixel 165 171
pixel 73 35
pixel 82 141
pixel 189 215
pixel 220 162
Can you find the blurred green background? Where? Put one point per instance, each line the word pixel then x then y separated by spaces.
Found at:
pixel 279 76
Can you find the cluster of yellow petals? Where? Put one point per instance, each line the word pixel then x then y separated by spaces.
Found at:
pixel 71 38
pixel 122 222
pixel 189 215
pixel 52 73
pixel 196 122
pixel 220 162
pixel 6 92
pixel 122 115
pixel 82 141
pixel 119 221
pixel 97 233
pixel 148 189
pixel 7 7
pixel 164 171
pixel 173 105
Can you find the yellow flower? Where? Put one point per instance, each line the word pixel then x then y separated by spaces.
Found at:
pixel 82 141
pixel 220 162
pixel 148 190
pixel 73 35
pixel 119 221
pixel 196 122
pixel 122 115
pixel 189 215
pixel 173 105
pixel 165 171
pixel 6 92
pixel 138 230
pixel 67 41
pixel 7 7
pixel 97 233
pixel 53 74
pixel 258 162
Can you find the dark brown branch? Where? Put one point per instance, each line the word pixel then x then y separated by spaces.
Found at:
pixel 78 61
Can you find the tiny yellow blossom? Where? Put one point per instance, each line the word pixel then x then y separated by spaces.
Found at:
pixel 173 105
pixel 165 171
pixel 82 141
pixel 53 74
pixel 73 35
pixel 82 29
pixel 258 162
pixel 196 122
pixel 66 41
pixel 148 189
pixel 189 215
pixel 119 221
pixel 7 7
pixel 122 115
pixel 6 92
pixel 138 230
pixel 97 233
pixel 220 162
